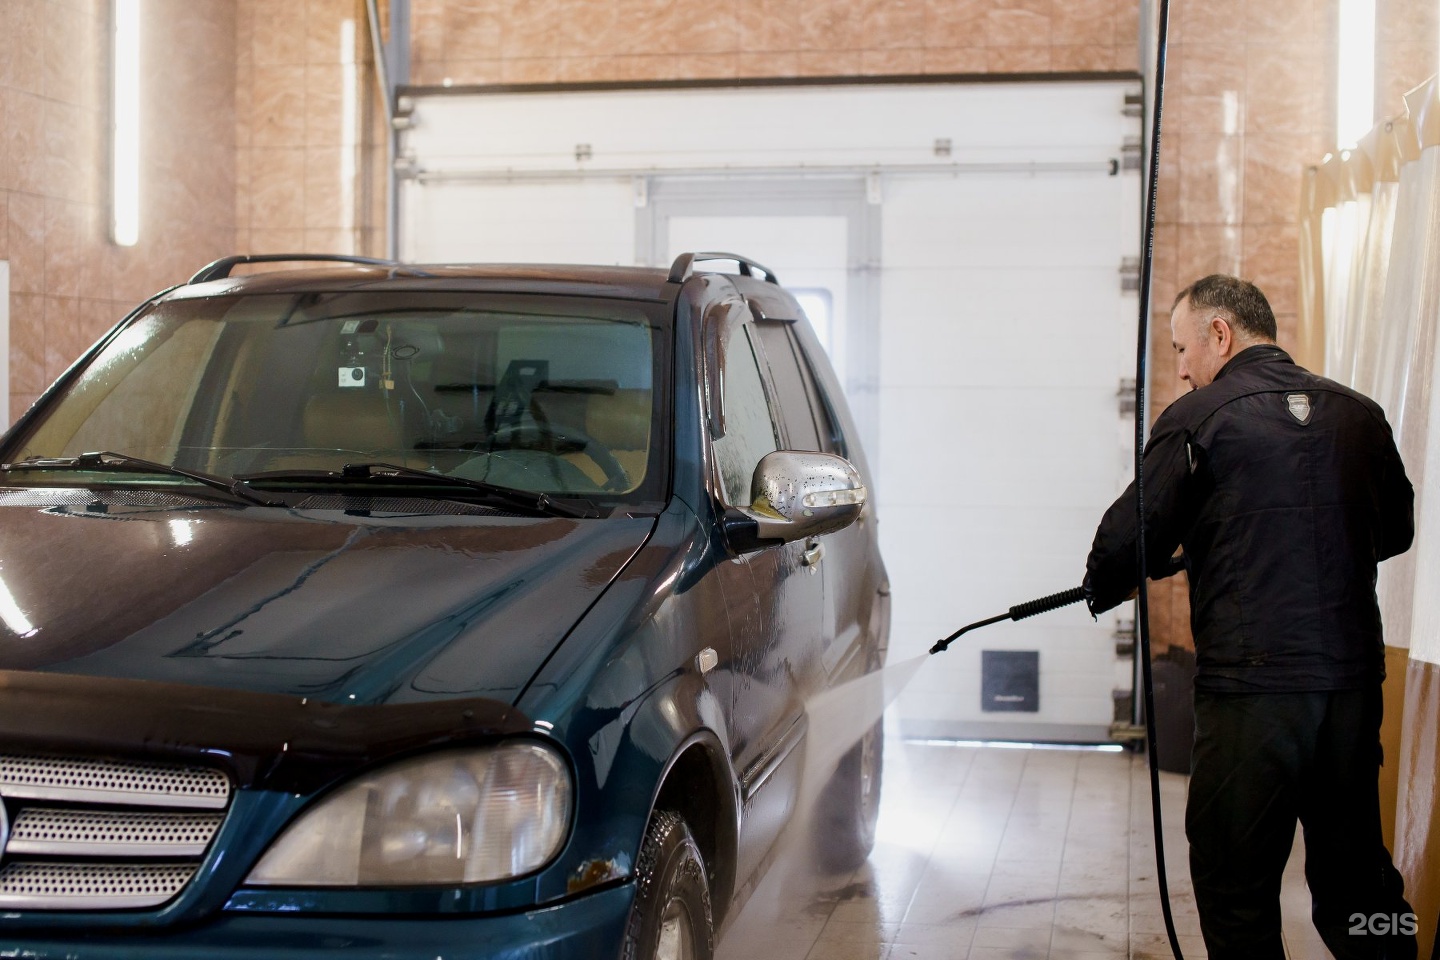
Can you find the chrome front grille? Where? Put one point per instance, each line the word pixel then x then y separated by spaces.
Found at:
pixel 109 781
pixel 89 834
pixel 91 886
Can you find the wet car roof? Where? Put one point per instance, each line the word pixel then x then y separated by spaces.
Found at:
pixel 626 283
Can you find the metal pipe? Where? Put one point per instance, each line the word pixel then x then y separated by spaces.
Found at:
pixel 803 171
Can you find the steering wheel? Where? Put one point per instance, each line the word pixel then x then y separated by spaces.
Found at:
pixel 552 442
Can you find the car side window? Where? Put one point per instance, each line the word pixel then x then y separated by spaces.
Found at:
pixel 794 402
pixel 749 432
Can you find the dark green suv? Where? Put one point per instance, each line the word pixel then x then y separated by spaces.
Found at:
pixel 461 611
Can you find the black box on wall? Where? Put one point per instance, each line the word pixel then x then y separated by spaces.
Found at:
pixel 1010 680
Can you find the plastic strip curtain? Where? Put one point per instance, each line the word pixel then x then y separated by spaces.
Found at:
pixel 1420 424
pixel 1378 209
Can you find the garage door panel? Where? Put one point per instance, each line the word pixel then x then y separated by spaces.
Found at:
pixel 519 223
pixel 980 316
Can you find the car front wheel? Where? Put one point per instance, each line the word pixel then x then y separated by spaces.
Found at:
pixel 850 805
pixel 671 919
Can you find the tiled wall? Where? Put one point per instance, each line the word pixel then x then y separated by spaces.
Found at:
pixel 548 41
pixel 68 282
pixel 305 109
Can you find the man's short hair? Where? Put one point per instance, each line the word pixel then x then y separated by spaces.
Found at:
pixel 1240 300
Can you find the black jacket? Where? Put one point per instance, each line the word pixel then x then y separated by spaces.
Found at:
pixel 1286 491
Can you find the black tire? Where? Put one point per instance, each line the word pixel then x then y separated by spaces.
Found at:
pixel 671 918
pixel 847 810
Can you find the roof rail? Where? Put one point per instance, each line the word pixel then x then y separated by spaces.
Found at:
pixel 684 266
pixel 221 268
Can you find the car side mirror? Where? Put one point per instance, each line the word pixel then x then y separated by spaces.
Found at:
pixel 795 495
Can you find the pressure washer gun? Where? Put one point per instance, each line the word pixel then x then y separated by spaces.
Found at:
pixel 1019 612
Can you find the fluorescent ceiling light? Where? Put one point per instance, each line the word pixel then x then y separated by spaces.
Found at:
pixel 125 123
pixel 1355 72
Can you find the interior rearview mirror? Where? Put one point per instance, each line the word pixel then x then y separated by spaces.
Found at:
pixel 794 495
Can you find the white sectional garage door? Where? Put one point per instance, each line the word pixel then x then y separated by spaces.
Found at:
pixel 965 242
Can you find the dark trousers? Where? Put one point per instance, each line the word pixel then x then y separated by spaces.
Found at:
pixel 1261 761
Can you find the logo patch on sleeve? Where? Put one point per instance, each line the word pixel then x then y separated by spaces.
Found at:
pixel 1299 406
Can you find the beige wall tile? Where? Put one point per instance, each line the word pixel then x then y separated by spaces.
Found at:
pixel 527 70
pixel 329 241
pixel 27 342
pixel 323 19
pixel 892 62
pixel 891 24
pixel 1081 57
pixel 64 336
pixel 768 26
pixel 956 23
pixel 64 225
pixel 838 63
pixel 323 209
pixel 1208 89
pixel 957 60
pixel 529 29
pixel 279 107
pixel 27 243
pixel 831 25
pixel 324 104
pixel 24 141
pixel 70 55
pixel 1271 254
pixel 1273 167
pixel 1019 23
pixel 472 30
pixel 278 197
pixel 1204 248
pixel 277 241
pixel 1215 21
pixel 1018 59
pixel 767 64
pixel 4 223
pixel 1212 182
pixel 694 26
pixel 26 43
pixel 706 66
pixel 427 34
pixel 280 35
pixel 1084 21
pixel 1282 95
pixel 1286 21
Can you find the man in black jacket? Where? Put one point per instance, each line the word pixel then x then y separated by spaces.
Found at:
pixel 1285 490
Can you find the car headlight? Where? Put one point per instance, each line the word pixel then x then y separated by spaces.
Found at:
pixel 456 817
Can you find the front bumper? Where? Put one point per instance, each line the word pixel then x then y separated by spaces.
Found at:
pixel 587 927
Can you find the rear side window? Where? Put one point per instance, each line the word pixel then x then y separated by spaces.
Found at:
pixel 794 401
pixel 749 434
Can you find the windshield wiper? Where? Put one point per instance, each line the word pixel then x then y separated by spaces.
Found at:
pixel 120 463
pixel 388 472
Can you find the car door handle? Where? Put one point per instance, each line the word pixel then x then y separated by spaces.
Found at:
pixel 814 553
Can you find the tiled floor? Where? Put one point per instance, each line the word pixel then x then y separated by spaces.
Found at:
pixel 989 853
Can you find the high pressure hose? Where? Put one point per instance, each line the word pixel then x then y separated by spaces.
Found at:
pixel 1142 618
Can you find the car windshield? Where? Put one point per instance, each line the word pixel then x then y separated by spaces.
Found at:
pixel 546 394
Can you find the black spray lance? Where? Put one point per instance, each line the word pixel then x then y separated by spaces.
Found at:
pixel 1019 612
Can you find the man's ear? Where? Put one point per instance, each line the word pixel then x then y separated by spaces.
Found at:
pixel 1225 337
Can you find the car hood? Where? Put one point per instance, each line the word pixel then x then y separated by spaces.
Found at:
pixel 352 607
